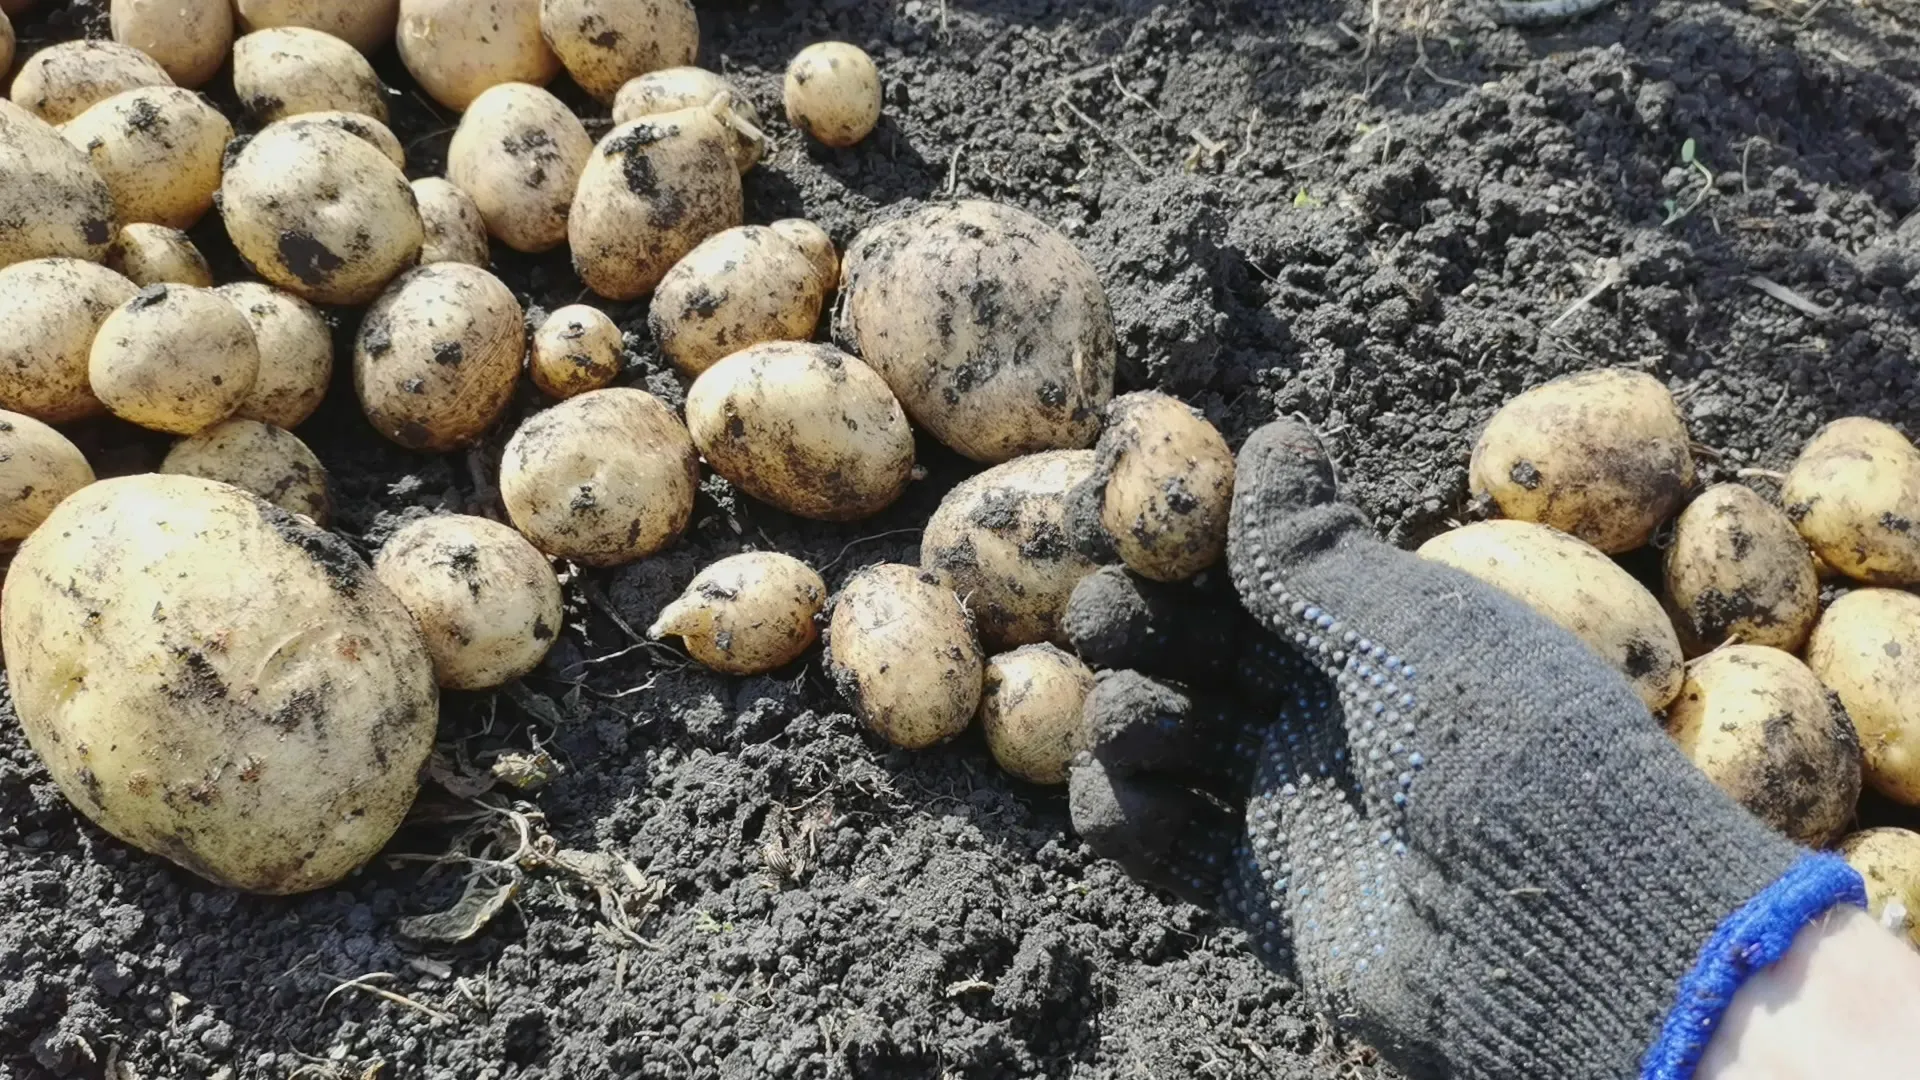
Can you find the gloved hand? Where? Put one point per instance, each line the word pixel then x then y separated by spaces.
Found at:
pixel 1442 815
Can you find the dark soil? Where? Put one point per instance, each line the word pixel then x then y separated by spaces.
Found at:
pixel 1386 232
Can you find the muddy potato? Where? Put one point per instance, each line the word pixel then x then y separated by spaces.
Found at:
pixel 603 478
pixel 739 287
pixel 1854 494
pixel 455 49
pixel 675 88
pixel 901 648
pixel 1737 570
pixel 576 350
pixel 438 355
pixel 38 468
pixel 54 203
pixel 51 309
pixel 189 38
pixel 1866 648
pixel 1161 486
pixel 604 43
pixel 1030 711
pixel 296 354
pixel 486 600
pixel 159 149
pixel 832 93
pixel 367 25
pixel 62 81
pixel 214 681
pixel 1888 860
pixel 360 126
pixel 519 152
pixel 746 614
pixel 991 328
pixel 813 241
pixel 453 227
pixel 652 190
pixel 7 42
pixel 174 358
pixel 158 255
pixel 1572 583
pixel 268 461
pixel 289 70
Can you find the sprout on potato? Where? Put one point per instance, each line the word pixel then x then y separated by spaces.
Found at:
pixel 1030 711
pixel 159 149
pixel 52 308
pixel 258 458
pixel 1737 570
pixel 296 354
pixel 438 356
pixel 174 358
pixel 188 38
pixel 367 25
pixel 676 88
pixel 832 93
pixel 518 152
pixel 453 229
pixel 1161 487
pixel 604 43
pixel 576 350
pixel 38 468
pixel 288 70
pixel 746 614
pixel 1866 648
pixel 455 49
pixel 62 81
pixel 902 650
pixel 54 203
pixel 158 255
pixel 1888 860
pixel 487 601
pixel 1854 494
pixel 740 287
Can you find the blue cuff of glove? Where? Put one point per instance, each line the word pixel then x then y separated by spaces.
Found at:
pixel 1750 939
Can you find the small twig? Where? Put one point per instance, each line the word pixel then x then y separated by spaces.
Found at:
pixel 599 602
pixel 1131 95
pixel 1609 277
pixel 953 170
pixel 851 544
pixel 1095 127
pixel 1543 12
pixel 1788 297
pixel 1762 474
pixel 364 982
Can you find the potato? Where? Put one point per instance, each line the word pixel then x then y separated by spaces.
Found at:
pixel 457 48
pixel 1888 859
pixel 486 600
pixel 833 93
pixel 603 479
pixel 62 81
pixel 652 190
pixel 7 42
pixel 1854 494
pixel 901 648
pixel 174 358
pixel 454 229
pixel 739 287
pixel 1737 570
pixel 38 468
pixel 576 350
pixel 604 43
pixel 360 126
pixel 1866 648
pixel 51 309
pixel 289 70
pixel 157 255
pixel 158 148
pixel 991 328
pixel 1572 583
pixel 675 88
pixel 1000 536
pixel 804 427
pixel 1161 486
pixel 367 25
pixel 189 38
pixel 1030 711
pixel 438 356
pixel 259 458
pixel 1599 454
pixel 746 614
pixel 212 680
pixel 519 153
pixel 1758 723
pixel 320 213
pixel 54 203
pixel 813 241
pixel 296 354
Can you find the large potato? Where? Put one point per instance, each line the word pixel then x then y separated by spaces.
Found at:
pixel 159 149
pixel 454 229
pixel 991 328
pixel 1866 648
pixel 1599 454
pixel 1854 493
pixel 288 70
pixel 1888 860
pixel 1573 584
pixel 296 354
pixel 576 350
pixel 488 603
pixel 174 358
pixel 367 25
pixel 746 614
pixel 1030 711
pixel 62 81
pixel 1001 539
pixel 739 287
pixel 1737 570
pixel 832 93
pixel 675 88
pixel 54 203
pixel 1161 487
pixel 804 427
pixel 438 356
pixel 902 650
pixel 457 48
pixel 519 152
pixel 212 680
pixel 360 126
pixel 51 309
pixel 189 38
pixel 158 255
pixel 604 43
pixel 258 458
pixel 38 468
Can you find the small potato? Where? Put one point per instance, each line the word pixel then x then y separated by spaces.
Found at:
pixel 457 48
pixel 604 43
pixel 296 354
pixel 901 649
pixel 54 203
pixel 159 149
pixel 367 25
pixel 174 358
pixel 288 70
pixel 487 601
pixel 1030 711
pixel 360 126
pixel 62 81
pixel 189 38
pixel 1866 648
pixel 1888 859
pixel 603 479
pixel 38 468
pixel 675 88
pixel 1736 569
pixel 833 93
pixel 1602 455
pixel 804 427
pixel 652 190
pixel 1572 583
pixel 1000 536
pixel 455 231
pixel 158 255
pixel 746 614
pixel 1161 487
pixel 991 328
pixel 268 461
pixel 739 287
pixel 51 309
pixel 1854 493
pixel 1758 723
pixel 814 242
pixel 7 42
pixel 438 356
pixel 576 350
pixel 519 152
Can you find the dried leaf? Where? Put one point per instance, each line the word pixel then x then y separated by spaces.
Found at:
pixel 486 894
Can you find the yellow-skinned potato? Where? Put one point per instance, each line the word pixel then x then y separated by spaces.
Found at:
pixel 1854 493
pixel 675 88
pixel 189 38
pixel 7 41
pixel 1888 860
pixel 367 25
pixel 62 81
pixel 259 458
pixel 174 358
pixel 296 354
pixel 55 204
pixel 519 152
pixel 487 601
pixel 1030 711
pixel 739 287
pixel 603 478
pixel 576 350
pixel 1028 371
pixel 360 126
pixel 212 680
pixel 455 231
pixel 833 93
pixel 1866 648
pixel 746 614
pixel 604 43
pixel 902 650
pixel 804 427
pixel 455 49
pixel 1736 569
pixel 438 356
pixel 288 70
pixel 51 309
pixel 38 468
pixel 1165 480
pixel 1574 584
pixel 158 148
pixel 158 255
pixel 813 241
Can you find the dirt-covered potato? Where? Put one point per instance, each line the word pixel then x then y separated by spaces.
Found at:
pixel 288 70
pixel 746 614
pixel 268 461
pixel 158 255
pixel 51 309
pixel 7 43
pixel 367 25
pixel 1599 454
pixel 189 38
pixel 438 355
pixel 320 213
pixel 486 599
pixel 54 203
pixel 1866 648
pixel 1854 494
pixel 519 152
pixel 813 241
pixel 62 81
pixel 989 325
pixel 296 354
pixel 675 88
pixel 804 427
pixel 38 468
pixel 1000 537
pixel 159 149
pixel 174 358
pixel 455 49
pixel 832 93
pixel 603 478
pixel 1574 584
pixel 739 287
pixel 901 648
pixel 1030 711
pixel 360 126
pixel 576 350
pixel 652 190
pixel 1161 486
pixel 1888 860
pixel 604 43
pixel 1736 570
pixel 1758 723
pixel 212 680
pixel 454 229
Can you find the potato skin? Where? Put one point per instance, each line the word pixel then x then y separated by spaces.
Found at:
pixel 671 89
pixel 1866 648
pixel 1163 481
pixel 65 207
pixel 1572 583
pixel 739 287
pixel 1888 860
pixel 576 350
pixel 360 126
pixel 1602 455
pixel 518 152
pixel 158 255
pixel 38 468
pixel 7 42
pixel 604 43
pixel 62 81
pixel 296 354
pixel 1030 711
pixel 832 93
pixel 902 650
pixel 258 458
pixel 189 38
pixel 1027 368
pixel 653 189
pixel 174 358
pixel 271 747
pixel 52 309
pixel 367 25
pixel 487 601
pixel 158 148
pixel 746 614
pixel 288 70
pixel 453 228
pixel 816 245
pixel 1854 494
pixel 1737 569
pixel 438 356
pixel 455 49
